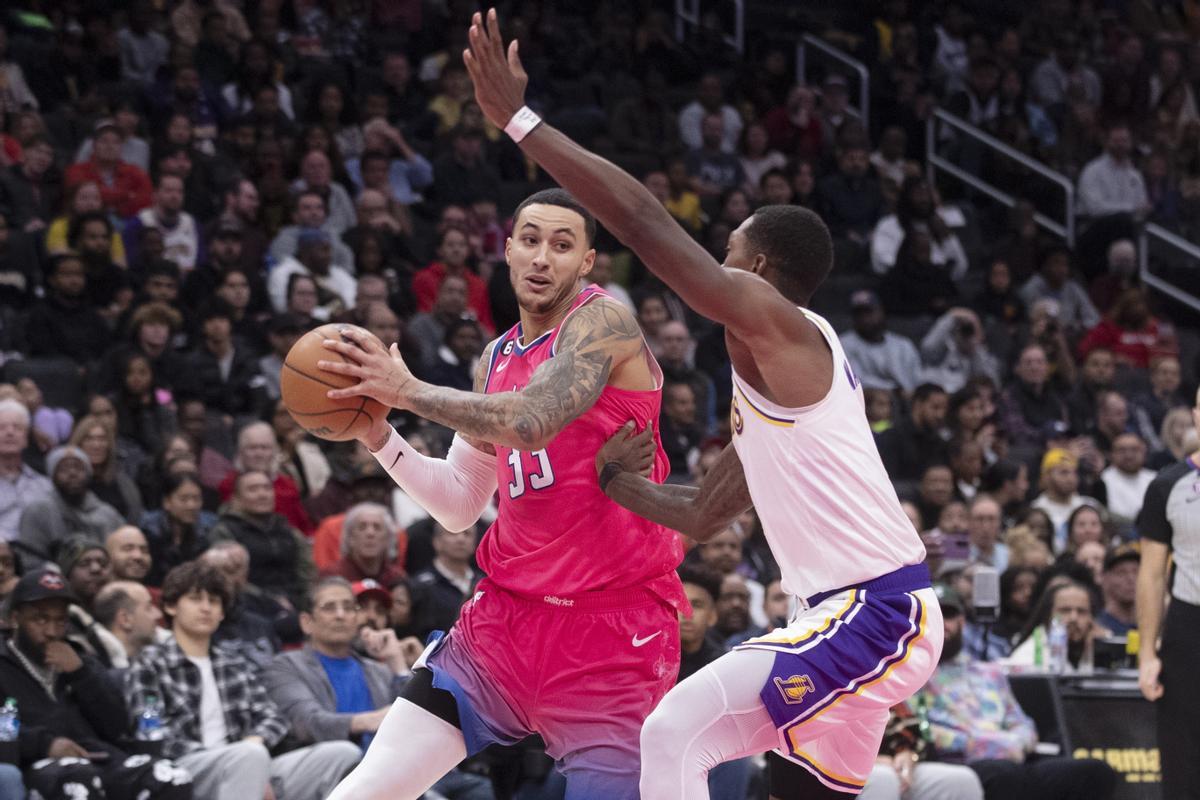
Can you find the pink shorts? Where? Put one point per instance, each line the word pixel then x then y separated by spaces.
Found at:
pixel 582 671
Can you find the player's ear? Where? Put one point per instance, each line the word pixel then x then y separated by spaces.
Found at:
pixel 508 250
pixel 759 265
pixel 589 261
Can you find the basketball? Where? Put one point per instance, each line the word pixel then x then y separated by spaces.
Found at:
pixel 303 386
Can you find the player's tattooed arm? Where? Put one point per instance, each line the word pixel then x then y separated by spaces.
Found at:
pixel 700 512
pixel 593 341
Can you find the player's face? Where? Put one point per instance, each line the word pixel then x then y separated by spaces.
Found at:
pixel 547 254
pixel 737 252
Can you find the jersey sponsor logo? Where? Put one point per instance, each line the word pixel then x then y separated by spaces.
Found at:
pixel 794 688
pixel 639 642
pixel 565 602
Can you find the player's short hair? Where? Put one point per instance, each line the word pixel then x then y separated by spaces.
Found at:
pixel 701 575
pixel 563 199
pixel 797 245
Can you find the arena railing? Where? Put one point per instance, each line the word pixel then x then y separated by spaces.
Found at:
pixel 960 131
pixel 687 12
pixel 845 60
pixel 1173 253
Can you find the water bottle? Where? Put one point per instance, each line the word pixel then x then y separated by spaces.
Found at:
pixel 1039 648
pixel 1058 646
pixel 10 722
pixel 150 726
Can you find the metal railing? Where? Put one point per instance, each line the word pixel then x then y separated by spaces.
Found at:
pixel 845 60
pixel 687 12
pixel 1182 249
pixel 935 161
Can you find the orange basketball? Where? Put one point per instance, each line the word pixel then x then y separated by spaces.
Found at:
pixel 303 385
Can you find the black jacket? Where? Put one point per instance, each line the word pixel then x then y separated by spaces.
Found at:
pixel 280 557
pixel 88 708
pixel 243 393
pixel 436 601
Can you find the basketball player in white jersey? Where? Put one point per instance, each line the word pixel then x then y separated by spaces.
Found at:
pixel 868 632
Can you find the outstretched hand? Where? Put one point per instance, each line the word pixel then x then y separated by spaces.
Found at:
pixel 381 372
pixel 634 452
pixel 498 76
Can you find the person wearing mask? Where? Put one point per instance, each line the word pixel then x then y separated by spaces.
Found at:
pixel 72 714
pixel 1169 527
pixel 219 721
pixel 881 359
pixel 70 509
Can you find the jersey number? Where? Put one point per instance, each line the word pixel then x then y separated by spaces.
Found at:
pixel 537 480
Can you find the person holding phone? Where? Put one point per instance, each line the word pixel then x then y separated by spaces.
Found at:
pixel 71 712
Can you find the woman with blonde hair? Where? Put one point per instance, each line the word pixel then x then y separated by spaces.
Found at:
pixel 1026 549
pixel 1178 436
pixel 98 441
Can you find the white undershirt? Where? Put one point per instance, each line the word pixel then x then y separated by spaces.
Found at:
pixel 212 716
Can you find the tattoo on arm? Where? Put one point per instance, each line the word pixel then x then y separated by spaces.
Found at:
pixel 593 341
pixel 697 511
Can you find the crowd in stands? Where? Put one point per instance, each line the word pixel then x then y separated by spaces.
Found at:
pixel 186 187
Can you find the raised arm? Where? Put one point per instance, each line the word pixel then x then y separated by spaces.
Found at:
pixel 699 512
pixel 593 341
pixel 735 298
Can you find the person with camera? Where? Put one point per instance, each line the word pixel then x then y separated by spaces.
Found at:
pixel 954 351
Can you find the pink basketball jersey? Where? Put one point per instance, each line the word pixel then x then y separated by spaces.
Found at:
pixel 557 534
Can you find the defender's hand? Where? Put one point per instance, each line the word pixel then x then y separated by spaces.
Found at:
pixel 499 78
pixel 635 453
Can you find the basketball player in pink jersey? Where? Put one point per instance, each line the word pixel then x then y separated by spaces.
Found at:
pixel 573 634
pixel 867 632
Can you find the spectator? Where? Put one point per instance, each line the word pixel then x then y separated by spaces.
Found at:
pixel 70 509
pixel 316 175
pixel 984 522
pixel 51 426
pixel 602 276
pixel 1126 479
pixel 918 205
pixel 1112 419
pixel 308 214
pixel 462 176
pixel 239 212
pixel 328 692
pixel 254 620
pixel 974 716
pixel 955 352
pixel 1060 72
pixel 283 330
pixel 880 358
pixel 794 128
pixel 224 739
pixel 369 546
pixel 916 286
pixel 734 623
pixel 1111 184
pixel 677 347
pixel 31 190
pixel 1007 482
pixel 834 111
pixel 916 441
pixel 400 179
pixel 109 484
pixel 1060 496
pixel 259 450
pixel 902 769
pixel 1096 377
pixel 725 553
pixel 226 244
pixel 1121 276
pixel 1133 334
pixel 21 487
pixel 712 170
pixel 999 301
pixel 314 258
pixel 710 101
pixel 222 371
pixel 70 711
pixel 110 289
pixel 458 356
pixel 64 324
pixel 374 605
pixel 127 117
pixel 935 490
pixel 280 557
pixel 1074 605
pixel 79 199
pixel 439 592
pixel 1047 331
pixel 143 416
pixel 1075 310
pixel 1178 437
pixel 950 57
pixel 363 481
pixel 127 610
pixel 850 199
pixel 129 554
pixel 1030 402
pixel 679 428
pixel 644 123
pixel 124 188
pixel 452 255
pixel 143 49
pixel 1149 409
pixel 1118 583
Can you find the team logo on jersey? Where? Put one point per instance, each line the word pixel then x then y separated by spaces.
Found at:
pixel 735 417
pixel 508 348
pixel 794 688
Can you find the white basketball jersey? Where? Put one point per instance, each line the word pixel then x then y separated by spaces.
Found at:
pixel 827 507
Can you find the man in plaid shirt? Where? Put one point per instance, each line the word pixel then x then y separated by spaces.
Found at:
pixel 220 724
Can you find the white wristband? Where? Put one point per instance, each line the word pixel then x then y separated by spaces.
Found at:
pixel 455 490
pixel 521 124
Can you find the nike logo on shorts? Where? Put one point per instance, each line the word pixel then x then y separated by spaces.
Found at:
pixel 639 642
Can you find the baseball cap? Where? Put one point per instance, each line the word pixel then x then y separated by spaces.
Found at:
pixel 864 298
pixel 1056 456
pixel 370 586
pixel 948 598
pixel 1124 552
pixel 104 124
pixel 41 584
